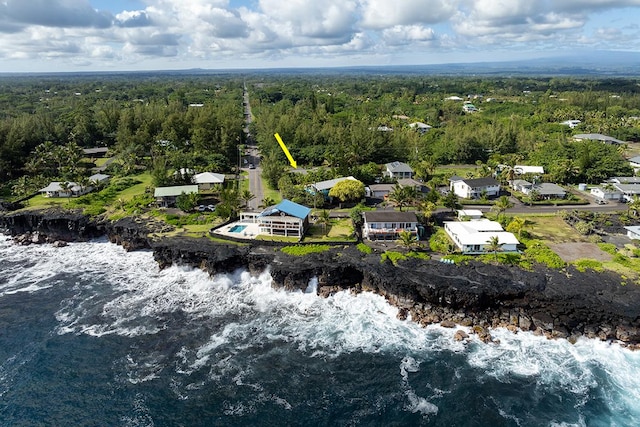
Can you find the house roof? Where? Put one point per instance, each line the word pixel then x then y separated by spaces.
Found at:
pixel 389 216
pixel 420 125
pixel 521 169
pixel 633 228
pixel 175 190
pixel 288 208
pixel 635 159
pixel 99 177
pixel 598 137
pixel 625 179
pixel 208 178
pixel 546 188
pixel 481 182
pixel 521 183
pixel 55 186
pixel 453 98
pixel 95 150
pixel 628 188
pixel 381 187
pixel 330 183
pixel 479 232
pixel 410 182
pixel 398 167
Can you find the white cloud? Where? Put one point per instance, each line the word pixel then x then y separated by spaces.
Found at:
pixel 381 14
pixel 407 34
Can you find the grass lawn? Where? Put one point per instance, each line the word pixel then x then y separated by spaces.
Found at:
pixel 268 238
pixel 337 230
pixel 145 181
pixel 100 161
pixel 447 171
pixel 40 202
pixel 551 229
pixel 269 192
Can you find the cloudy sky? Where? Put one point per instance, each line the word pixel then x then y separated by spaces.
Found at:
pixel 94 35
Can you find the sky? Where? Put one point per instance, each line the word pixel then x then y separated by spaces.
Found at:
pixel 122 35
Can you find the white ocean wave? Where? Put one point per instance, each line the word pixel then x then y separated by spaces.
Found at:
pixel 125 294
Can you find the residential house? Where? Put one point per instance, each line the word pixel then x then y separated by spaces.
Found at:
pixel 379 191
pixel 634 162
pixel 287 219
pixel 410 182
pixel 474 188
pixel 398 170
pixel 58 189
pixel 525 169
pixel 167 196
pixel 571 123
pixel 99 179
pixel 206 180
pixel 629 191
pixel 324 187
pixel 421 127
pixel 387 225
pixel 453 98
pixel 606 192
pixel 95 151
pixel 473 237
pixel 597 137
pixel 624 180
pixel 633 232
pixel 544 190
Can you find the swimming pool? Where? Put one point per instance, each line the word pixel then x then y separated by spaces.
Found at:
pixel 237 228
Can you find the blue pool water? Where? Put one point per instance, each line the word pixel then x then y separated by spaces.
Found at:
pixel 237 228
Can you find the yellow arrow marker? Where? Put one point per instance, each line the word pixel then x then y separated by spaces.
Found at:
pixel 286 151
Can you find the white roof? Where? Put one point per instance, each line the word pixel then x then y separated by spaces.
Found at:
pixel 635 229
pixel 453 98
pixel 55 186
pixel 208 178
pixel 479 232
pixel 99 177
pixel 528 169
pixel 329 184
pixel 175 190
pixel 419 125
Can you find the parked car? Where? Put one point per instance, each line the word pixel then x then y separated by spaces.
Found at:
pixel 252 166
pixel 601 201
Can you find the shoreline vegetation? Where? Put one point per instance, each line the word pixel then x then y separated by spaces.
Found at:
pixel 574 273
pixel 568 302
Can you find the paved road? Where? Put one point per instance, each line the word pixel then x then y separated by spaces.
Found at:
pixel 252 156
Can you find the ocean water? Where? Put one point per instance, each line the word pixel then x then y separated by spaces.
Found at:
pixel 93 336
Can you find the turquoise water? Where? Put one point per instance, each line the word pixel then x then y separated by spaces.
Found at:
pixel 237 228
pixel 93 335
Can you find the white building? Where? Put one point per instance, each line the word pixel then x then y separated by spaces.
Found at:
pixel 609 192
pixel 398 170
pixel 58 189
pixel 470 214
pixel 387 225
pixel 633 232
pixel 474 188
pixel 472 237
pixel 206 180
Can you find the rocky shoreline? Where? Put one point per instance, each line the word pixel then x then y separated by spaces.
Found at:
pixel 555 303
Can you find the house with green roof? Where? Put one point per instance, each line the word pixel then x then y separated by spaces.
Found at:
pixel 167 196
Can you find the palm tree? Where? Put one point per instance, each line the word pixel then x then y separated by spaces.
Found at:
pixel 427 208
pixel 516 225
pixel 266 202
pixel 494 245
pixel 247 196
pixel 401 196
pixel 502 204
pixel 324 219
pixel 634 206
pixel 406 239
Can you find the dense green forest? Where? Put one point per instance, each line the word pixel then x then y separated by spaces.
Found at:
pixel 350 123
pixel 147 122
pixel 345 122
